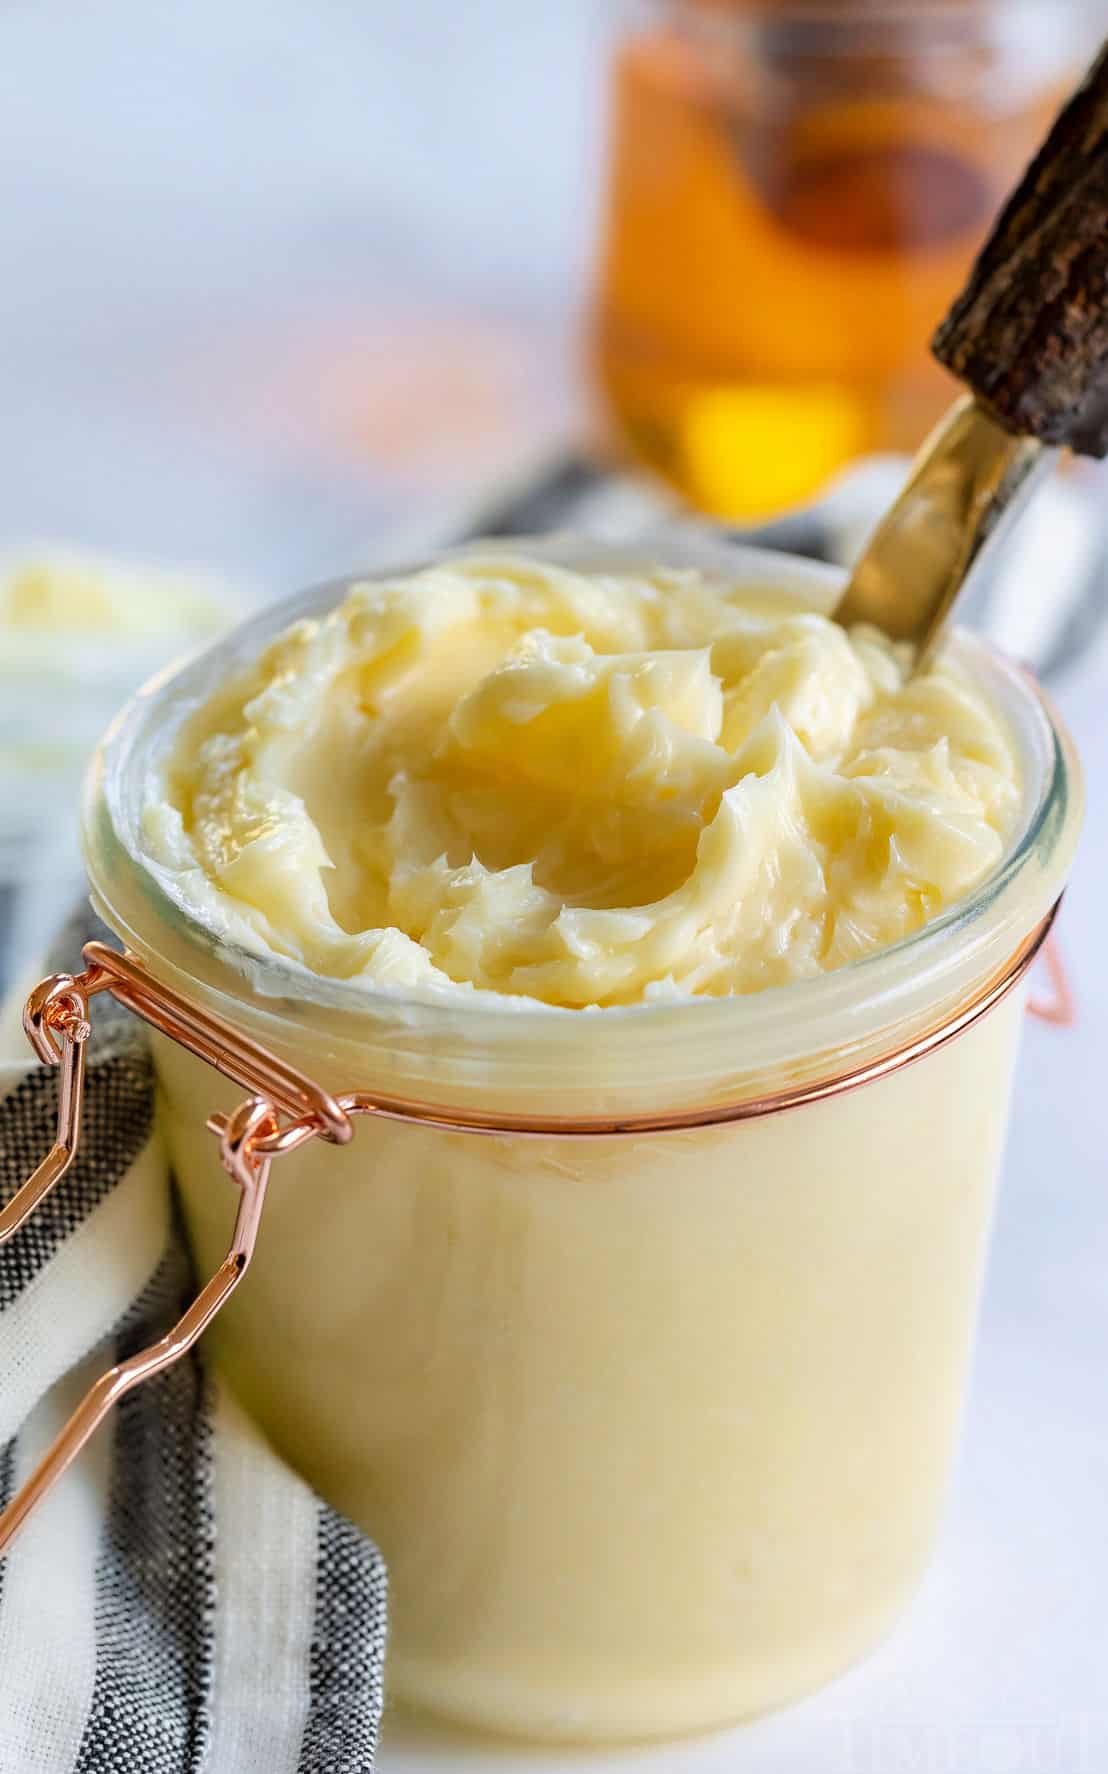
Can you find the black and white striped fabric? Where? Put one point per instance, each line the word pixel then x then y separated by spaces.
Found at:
pixel 181 1603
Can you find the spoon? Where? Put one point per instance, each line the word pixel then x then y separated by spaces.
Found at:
pixel 1029 338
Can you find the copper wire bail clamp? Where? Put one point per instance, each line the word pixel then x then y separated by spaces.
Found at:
pixel 285 1109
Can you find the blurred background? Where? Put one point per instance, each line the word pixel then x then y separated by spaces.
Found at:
pixel 292 289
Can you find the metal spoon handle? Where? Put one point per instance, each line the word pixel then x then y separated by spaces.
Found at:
pixel 968 484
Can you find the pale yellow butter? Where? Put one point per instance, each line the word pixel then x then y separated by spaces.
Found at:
pixel 653 1431
pixel 501 774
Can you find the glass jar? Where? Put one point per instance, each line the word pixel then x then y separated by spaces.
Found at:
pixel 653 1429
pixel 796 191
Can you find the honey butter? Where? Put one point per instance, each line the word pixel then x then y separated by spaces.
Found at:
pixel 508 776
pixel 653 1429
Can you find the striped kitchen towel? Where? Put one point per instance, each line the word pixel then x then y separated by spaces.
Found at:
pixel 181 1603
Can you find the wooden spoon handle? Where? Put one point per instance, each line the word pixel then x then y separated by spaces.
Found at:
pixel 1029 333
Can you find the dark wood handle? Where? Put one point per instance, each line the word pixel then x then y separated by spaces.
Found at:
pixel 1029 333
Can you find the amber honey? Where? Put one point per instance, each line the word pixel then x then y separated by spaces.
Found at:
pixel 795 195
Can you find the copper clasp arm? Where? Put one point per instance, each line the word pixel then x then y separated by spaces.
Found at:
pixel 56 1020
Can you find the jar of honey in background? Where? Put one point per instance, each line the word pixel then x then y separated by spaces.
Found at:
pixel 796 191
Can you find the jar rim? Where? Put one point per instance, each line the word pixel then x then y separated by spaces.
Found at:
pixel 963 944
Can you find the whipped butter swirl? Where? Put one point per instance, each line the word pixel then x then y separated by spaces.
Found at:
pixel 582 789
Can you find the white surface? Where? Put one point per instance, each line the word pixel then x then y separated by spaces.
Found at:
pixel 247 247
pixel 1000 1665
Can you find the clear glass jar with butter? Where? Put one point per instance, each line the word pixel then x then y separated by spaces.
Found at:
pixel 653 1429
